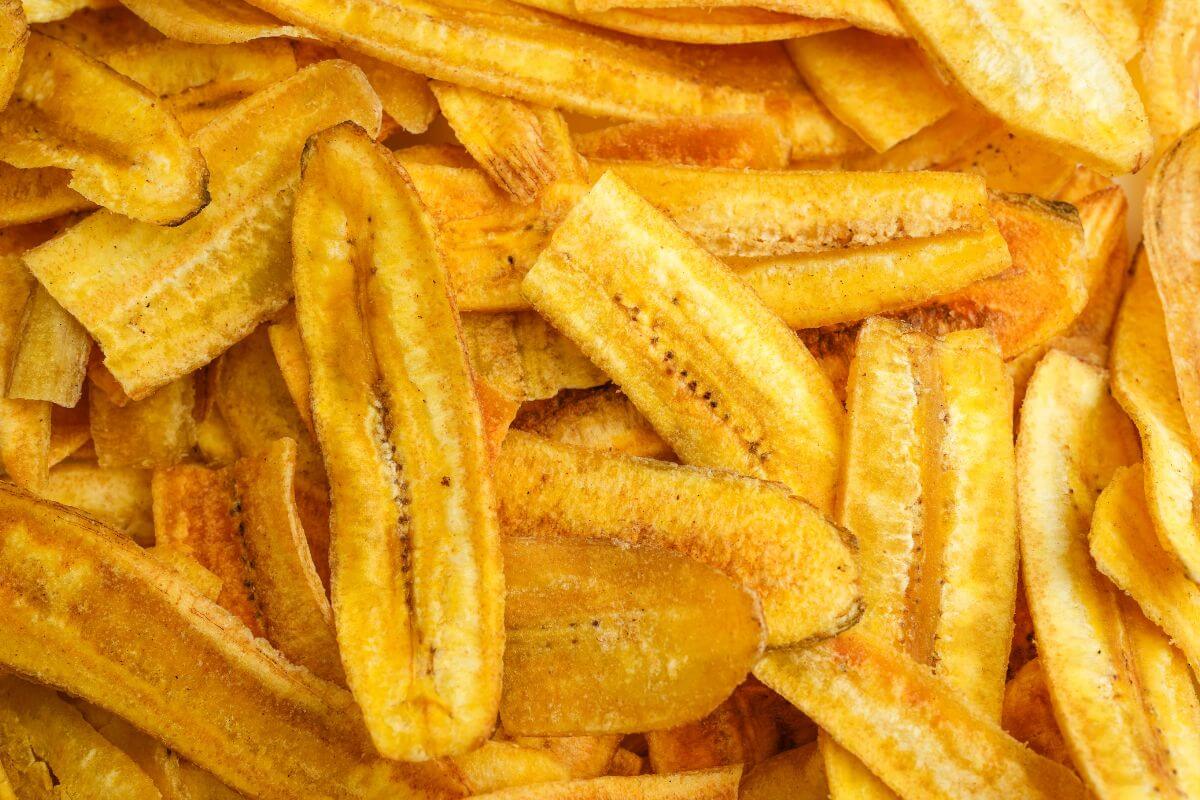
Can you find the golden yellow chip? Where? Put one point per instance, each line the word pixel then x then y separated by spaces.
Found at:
pixel 1167 69
pixel 502 765
pixel 33 195
pixel 601 418
pixel 793 775
pixel 1029 714
pixel 155 432
pixel 51 359
pixel 119 497
pixel 211 21
pixel 737 141
pixel 714 784
pixel 873 15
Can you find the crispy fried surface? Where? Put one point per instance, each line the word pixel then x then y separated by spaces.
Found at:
pixel 1167 69
pixel 33 195
pixel 873 15
pixel 211 21
pixel 601 418
pixel 714 784
pixel 626 285
pixel 417 586
pixel 163 301
pixel 738 141
pixel 51 359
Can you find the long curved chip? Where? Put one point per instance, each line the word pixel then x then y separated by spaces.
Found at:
pixel 1144 382
pixel 34 195
pixel 1128 551
pixel 713 784
pixel 1072 439
pixel 1028 714
pixel 605 638
pixel 52 10
pixel 909 727
pixel 83 609
pixel 211 21
pixel 737 141
pixel 161 302
pixel 14 34
pixel 741 25
pixel 417 585
pixel 674 328
pixel 138 164
pixel 601 418
pixel 1172 202
pixel 51 359
pixel 872 15
pixel 758 533
pixel 1044 69
pixel 513 51
pixel 1167 68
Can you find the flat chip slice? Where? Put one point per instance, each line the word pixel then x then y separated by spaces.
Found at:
pixel 1128 551
pixel 878 86
pixel 1072 439
pixel 1172 202
pixel 288 347
pixel 1011 163
pixel 406 97
pixel 51 10
pixel 85 610
pixel 118 497
pixel 1028 714
pixel 51 751
pixel 737 141
pixel 907 726
pixel 211 21
pixel 419 619
pixel 513 51
pixel 523 358
pixel 33 195
pixel 720 378
pixel 156 432
pixel 1044 69
pixel 51 360
pixel 1167 69
pixel 138 163
pixel 161 302
pixel 796 774
pixel 14 33
pixel 1144 383
pixel 1121 23
pixel 99 32
pixel 502 765
pixel 584 756
pixel 714 784
pixel 601 418
pixel 758 533
pixel 605 638
pixel 873 15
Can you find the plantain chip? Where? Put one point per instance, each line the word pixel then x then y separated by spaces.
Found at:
pixel 211 21
pixel 51 10
pixel 796 774
pixel 1029 714
pixel 731 734
pixel 34 195
pixel 737 141
pixel 502 765
pixel 14 35
pixel 583 756
pixel 1167 69
pixel 51 359
pixel 612 639
pixel 714 784
pixel 118 497
pixel 1044 70
pixel 770 541
pixel 601 418
pixel 161 302
pixel 101 31
pixel 524 358
pixel 1121 23
pixel 155 432
pixel 138 163
pixel 87 611
pixel 419 620
pixel 873 15
pixel 878 86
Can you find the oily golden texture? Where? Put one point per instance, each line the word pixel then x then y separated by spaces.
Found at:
pixel 417 586
pixel 161 302
pixel 601 418
pixel 737 141
pixel 1127 550
pixel 117 496
pixel 907 726
pixel 1072 439
pixel 513 51
pixel 1121 23
pixel 521 356
pixel 50 751
pixel 796 774
pixel 499 765
pixel 714 784
pixel 24 424
pixel 611 639
pixel 674 328
pixel 33 195
pixel 87 611
pixel 155 432
pixel 874 15
pixel 878 86
pixel 14 33
pixel 1144 383
pixel 1029 714
pixel 735 732
pixel 211 21
pixel 241 523
pixel 1172 202
pixel 1168 69
pixel 758 533
pixel 51 359
pixel 1043 69
pixel 137 163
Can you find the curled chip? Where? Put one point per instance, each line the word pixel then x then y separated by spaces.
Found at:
pixel 509 50
pixel 161 302
pixel 1073 437
pixel 138 163
pixel 1172 202
pixel 628 287
pixel 758 533
pixel 83 608
pixel 907 726
pixel 713 784
pixel 211 21
pixel 1144 382
pixel 1043 69
pixel 419 617
pixel 858 76
pixel 612 639
pixel 737 141
pixel 523 358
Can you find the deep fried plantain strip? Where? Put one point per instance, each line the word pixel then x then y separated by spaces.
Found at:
pixel 155 432
pixel 87 611
pixel 502 765
pixel 1167 69
pixel 713 784
pixel 117 497
pixel 51 360
pixel 417 584
pixel 737 141
pixel 1172 202
pixel 722 380
pixel 795 774
pixel 1029 714
pixel 874 15
pixel 601 418
pixel 758 533
pixel 1127 550
pixel 211 21
pixel 1042 68
pixel 907 726
pixel 139 164
pixel 1144 382
pixel 513 51
pixel 33 195
pixel 14 34
pixel 161 302
pixel 1072 439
